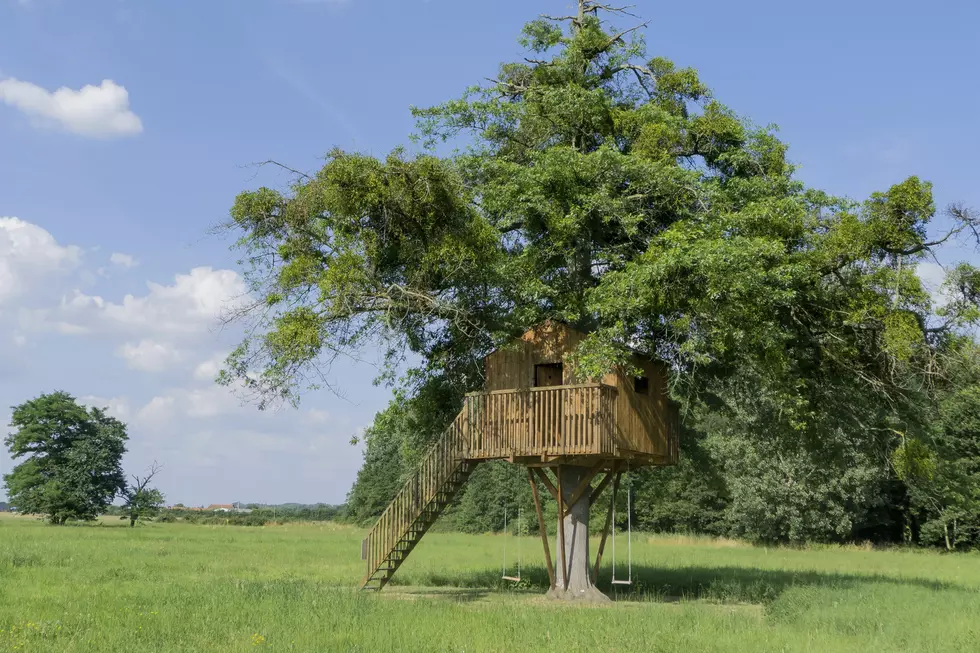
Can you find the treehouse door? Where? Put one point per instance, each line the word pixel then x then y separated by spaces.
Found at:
pixel 550 406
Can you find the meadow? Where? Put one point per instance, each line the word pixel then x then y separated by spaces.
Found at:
pixel 178 587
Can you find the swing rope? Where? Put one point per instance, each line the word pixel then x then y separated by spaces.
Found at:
pixel 629 535
pixel 503 568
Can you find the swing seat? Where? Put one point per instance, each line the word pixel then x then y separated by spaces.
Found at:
pixel 622 582
pixel 513 578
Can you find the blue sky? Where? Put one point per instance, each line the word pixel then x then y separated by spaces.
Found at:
pixel 109 282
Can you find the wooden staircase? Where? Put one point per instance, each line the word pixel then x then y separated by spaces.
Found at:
pixel 442 472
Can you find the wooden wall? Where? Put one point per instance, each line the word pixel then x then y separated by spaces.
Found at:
pixel 646 424
pixel 512 366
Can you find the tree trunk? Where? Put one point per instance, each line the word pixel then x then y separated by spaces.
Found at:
pixel 576 528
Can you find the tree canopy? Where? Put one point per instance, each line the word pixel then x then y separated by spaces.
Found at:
pixel 613 191
pixel 71 467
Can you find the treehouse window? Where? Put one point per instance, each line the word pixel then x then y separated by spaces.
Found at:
pixel 547 374
pixel 641 385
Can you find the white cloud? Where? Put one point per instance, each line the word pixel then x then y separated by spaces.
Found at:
pixel 123 260
pixel 158 411
pixel 932 276
pixel 317 416
pixel 208 370
pixel 117 407
pixel 188 308
pixel 95 111
pixel 29 255
pixel 148 355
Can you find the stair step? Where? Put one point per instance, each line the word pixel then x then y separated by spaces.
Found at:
pixel 425 516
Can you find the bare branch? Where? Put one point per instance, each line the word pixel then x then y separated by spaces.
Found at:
pixel 296 172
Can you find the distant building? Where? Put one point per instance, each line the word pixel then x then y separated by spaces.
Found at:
pixel 220 507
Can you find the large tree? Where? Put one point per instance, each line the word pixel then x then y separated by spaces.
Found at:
pixel 615 192
pixel 71 458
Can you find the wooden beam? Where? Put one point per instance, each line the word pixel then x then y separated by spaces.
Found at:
pixel 604 483
pixel 561 533
pixel 542 528
pixel 605 530
pixel 549 485
pixel 584 484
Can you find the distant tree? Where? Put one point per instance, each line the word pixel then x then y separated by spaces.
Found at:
pixel 141 500
pixel 71 458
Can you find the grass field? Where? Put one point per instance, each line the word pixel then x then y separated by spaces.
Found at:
pixel 172 587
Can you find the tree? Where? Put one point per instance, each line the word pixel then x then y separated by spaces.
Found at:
pixel 71 458
pixel 940 466
pixel 141 500
pixel 616 193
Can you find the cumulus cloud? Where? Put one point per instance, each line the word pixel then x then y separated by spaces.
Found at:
pixel 189 307
pixel 148 355
pixel 29 255
pixel 93 111
pixel 207 370
pixel 117 407
pixel 123 260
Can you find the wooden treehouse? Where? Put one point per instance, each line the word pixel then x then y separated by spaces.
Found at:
pixel 536 412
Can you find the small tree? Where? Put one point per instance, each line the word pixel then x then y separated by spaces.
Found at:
pixel 72 454
pixel 142 500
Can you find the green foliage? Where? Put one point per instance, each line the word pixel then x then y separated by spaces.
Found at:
pixel 142 503
pixel 614 191
pixel 71 458
pixel 943 477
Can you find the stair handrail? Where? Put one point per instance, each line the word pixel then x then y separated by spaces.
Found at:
pixel 449 447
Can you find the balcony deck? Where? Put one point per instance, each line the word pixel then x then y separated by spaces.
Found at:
pixel 538 425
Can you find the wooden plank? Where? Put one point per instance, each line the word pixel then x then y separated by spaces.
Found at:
pixel 547 483
pixel 542 528
pixel 599 489
pixel 584 483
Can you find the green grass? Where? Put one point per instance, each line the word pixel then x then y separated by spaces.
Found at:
pixel 173 587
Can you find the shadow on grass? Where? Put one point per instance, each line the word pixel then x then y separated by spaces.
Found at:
pixel 718 584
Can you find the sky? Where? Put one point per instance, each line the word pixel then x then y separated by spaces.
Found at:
pixel 127 129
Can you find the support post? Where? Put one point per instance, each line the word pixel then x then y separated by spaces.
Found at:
pixel 547 483
pixel 542 528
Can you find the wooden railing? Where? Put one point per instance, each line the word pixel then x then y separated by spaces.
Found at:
pixel 553 421
pixel 436 469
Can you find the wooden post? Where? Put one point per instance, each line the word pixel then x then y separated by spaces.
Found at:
pixel 542 528
pixel 605 530
pixel 584 484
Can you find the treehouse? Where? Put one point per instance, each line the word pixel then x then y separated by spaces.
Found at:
pixel 537 412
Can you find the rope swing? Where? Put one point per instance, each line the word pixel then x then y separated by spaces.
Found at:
pixel 504 568
pixel 629 536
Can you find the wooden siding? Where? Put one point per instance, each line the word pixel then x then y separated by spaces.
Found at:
pixel 646 424
pixel 512 366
